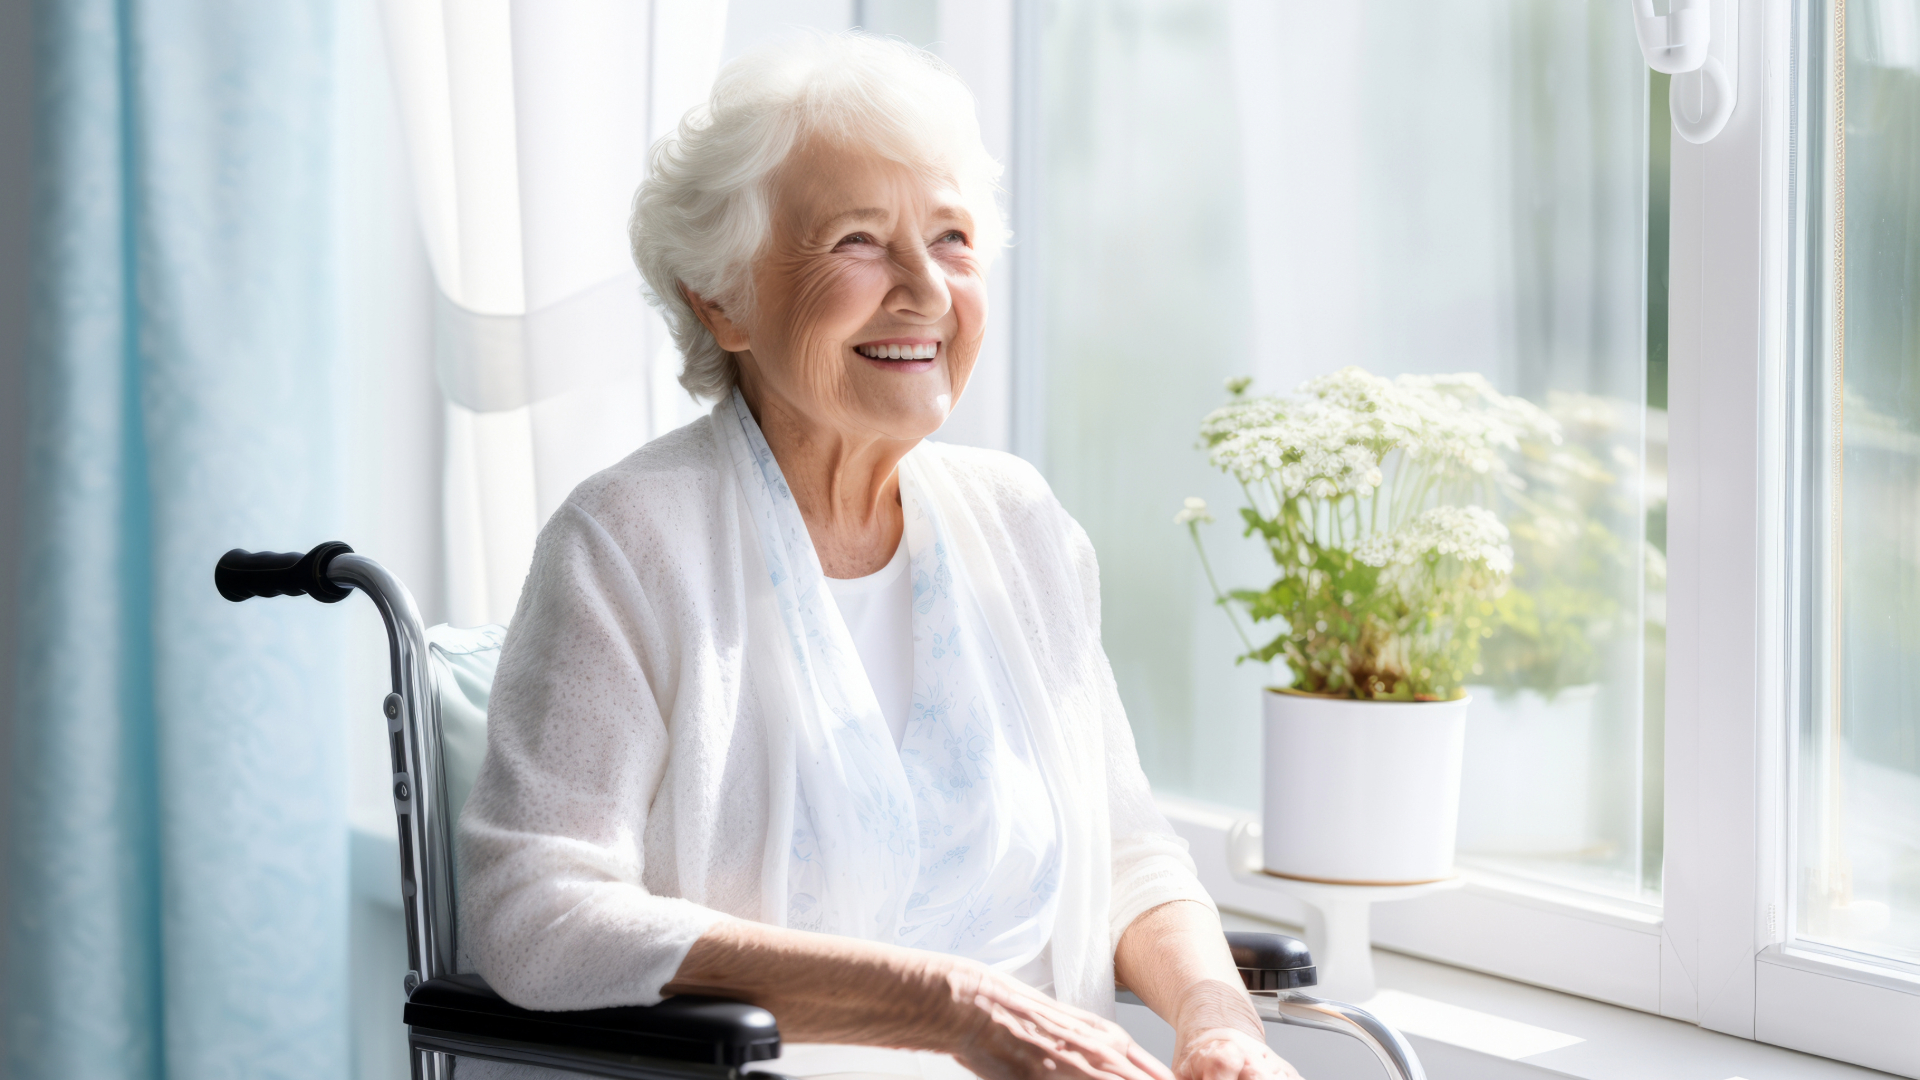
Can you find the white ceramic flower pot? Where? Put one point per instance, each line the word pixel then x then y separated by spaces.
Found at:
pixel 1361 792
pixel 1524 786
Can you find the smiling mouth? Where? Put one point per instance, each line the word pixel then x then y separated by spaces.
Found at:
pixel 899 352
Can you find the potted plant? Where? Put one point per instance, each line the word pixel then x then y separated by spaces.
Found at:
pixel 1372 497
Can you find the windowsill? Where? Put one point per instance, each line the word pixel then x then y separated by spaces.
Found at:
pixel 1615 1043
pixel 1470 1026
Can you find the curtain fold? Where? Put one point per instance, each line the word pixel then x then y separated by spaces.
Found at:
pixel 177 857
pixel 528 123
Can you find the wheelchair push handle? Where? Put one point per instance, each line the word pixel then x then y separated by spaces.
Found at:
pixel 242 575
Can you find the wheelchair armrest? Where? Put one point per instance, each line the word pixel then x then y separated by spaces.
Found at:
pixel 1271 961
pixel 694 1029
pixel 1280 965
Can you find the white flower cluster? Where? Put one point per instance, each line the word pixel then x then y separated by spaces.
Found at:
pixel 1471 534
pixel 1329 439
pixel 1324 444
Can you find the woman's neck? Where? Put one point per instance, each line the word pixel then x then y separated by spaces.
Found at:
pixel 847 484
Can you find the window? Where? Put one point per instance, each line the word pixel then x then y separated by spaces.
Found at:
pixel 1278 191
pixel 1228 189
pixel 1856 883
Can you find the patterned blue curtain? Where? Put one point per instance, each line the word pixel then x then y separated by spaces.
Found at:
pixel 177 862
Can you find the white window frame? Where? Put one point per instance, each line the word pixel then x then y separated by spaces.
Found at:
pixel 1717 952
pixel 1804 996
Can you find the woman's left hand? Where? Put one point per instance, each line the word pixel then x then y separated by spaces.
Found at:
pixel 1226 1053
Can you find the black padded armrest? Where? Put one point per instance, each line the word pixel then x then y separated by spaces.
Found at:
pixel 705 1030
pixel 1271 961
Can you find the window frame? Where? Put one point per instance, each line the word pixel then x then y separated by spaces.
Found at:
pixel 1807 996
pixel 1730 345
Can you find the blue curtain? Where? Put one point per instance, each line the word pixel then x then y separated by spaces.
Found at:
pixel 178 860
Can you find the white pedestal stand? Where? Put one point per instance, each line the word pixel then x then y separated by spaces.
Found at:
pixel 1339 917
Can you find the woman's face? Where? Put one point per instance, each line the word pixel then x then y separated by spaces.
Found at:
pixel 870 302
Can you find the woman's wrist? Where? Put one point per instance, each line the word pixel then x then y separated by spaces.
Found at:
pixel 1212 1004
pixel 1175 958
pixel 972 993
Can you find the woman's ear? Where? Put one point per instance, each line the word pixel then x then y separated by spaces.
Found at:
pixel 730 335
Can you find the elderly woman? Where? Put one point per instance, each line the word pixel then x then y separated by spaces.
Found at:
pixel 801 709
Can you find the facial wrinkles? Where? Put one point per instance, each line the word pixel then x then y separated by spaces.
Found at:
pixel 833 297
pixel 799 358
pixel 811 362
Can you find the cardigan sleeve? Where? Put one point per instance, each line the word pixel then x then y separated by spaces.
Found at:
pixel 554 912
pixel 1150 861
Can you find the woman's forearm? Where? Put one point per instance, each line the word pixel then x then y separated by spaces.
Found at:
pixel 829 989
pixel 840 990
pixel 826 988
pixel 1175 959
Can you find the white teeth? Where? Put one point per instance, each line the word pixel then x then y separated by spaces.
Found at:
pixel 899 352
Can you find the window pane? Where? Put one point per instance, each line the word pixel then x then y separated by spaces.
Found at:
pixel 1859 752
pixel 1411 186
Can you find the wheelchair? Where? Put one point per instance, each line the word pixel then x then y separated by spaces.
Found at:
pixel 451 1015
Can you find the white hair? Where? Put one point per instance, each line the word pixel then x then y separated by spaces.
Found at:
pixel 701 216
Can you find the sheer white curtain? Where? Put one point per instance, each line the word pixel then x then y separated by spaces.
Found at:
pixel 527 125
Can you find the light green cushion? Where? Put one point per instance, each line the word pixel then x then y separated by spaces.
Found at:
pixel 464 660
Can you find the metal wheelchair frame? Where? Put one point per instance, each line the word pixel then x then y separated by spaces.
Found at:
pixel 450 1015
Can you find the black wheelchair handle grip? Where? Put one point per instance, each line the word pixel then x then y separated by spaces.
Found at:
pixel 1272 961
pixel 242 575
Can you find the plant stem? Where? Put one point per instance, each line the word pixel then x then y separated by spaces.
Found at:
pixel 1226 603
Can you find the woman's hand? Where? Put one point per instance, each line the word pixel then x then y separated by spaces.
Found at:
pixel 1003 1030
pixel 1227 1053
pixel 1218 1036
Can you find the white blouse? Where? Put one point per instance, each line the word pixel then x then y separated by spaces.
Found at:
pixel 878 610
pixel 636 772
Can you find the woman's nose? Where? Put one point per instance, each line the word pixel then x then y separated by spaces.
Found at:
pixel 921 289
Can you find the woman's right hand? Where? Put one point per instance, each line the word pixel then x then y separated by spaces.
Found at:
pixel 1001 1029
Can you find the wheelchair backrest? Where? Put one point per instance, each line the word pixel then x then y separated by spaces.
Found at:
pixel 464 660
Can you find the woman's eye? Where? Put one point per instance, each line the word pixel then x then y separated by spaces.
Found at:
pixel 854 238
pixel 954 236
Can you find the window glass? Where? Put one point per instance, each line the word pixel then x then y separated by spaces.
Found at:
pixel 1858 755
pixel 1410 186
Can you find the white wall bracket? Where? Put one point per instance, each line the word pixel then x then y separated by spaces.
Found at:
pixel 1696 42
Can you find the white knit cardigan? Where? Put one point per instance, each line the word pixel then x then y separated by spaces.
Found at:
pixel 638 784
